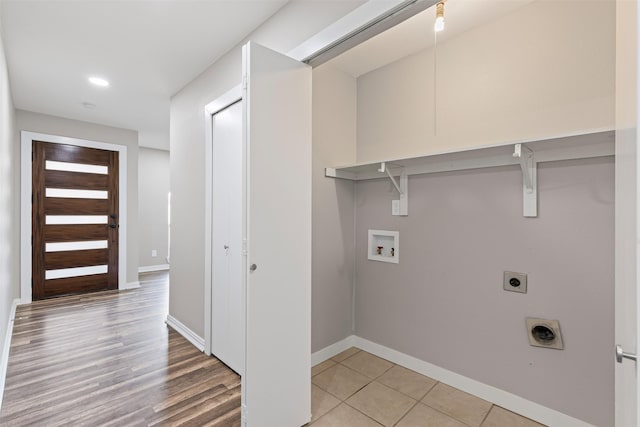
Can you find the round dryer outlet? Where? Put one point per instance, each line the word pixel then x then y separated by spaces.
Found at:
pixel 544 333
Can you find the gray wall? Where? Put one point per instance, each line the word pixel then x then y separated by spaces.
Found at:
pixel 9 226
pixel 153 189
pixel 52 125
pixel 333 245
pixel 293 24
pixel 444 302
pixel 500 82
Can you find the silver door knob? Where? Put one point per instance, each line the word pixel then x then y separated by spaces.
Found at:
pixel 226 246
pixel 620 354
pixel 253 267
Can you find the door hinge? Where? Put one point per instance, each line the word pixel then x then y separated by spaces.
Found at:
pixel 244 82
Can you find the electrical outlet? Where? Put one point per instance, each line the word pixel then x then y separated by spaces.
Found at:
pixel 544 333
pixel 154 252
pixel 515 282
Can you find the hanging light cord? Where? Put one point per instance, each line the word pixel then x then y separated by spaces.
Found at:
pixel 435 83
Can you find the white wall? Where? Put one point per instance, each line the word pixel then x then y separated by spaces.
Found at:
pixel 158 140
pixel 293 24
pixel 52 125
pixel 153 189
pixel 9 226
pixel 546 69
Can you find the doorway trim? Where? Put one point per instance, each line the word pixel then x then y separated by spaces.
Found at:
pixel 26 140
pixel 222 102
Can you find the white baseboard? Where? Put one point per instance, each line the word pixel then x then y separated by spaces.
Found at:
pixel 151 268
pixel 492 394
pixel 189 335
pixel 330 351
pixel 130 285
pixel 4 361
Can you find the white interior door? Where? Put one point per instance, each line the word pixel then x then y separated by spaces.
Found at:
pixel 626 277
pixel 227 317
pixel 627 226
pixel 277 99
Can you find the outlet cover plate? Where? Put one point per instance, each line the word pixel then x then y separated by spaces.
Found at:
pixel 550 332
pixel 515 282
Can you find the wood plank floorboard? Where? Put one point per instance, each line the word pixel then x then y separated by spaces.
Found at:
pixel 108 359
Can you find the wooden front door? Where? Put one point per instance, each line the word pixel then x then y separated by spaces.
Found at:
pixel 74 220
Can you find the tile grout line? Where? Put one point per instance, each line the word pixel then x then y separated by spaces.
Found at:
pixel 406 413
pixel 450 416
pixel 376 378
pixel 358 410
pixel 444 413
pixel 418 401
pixel 487 414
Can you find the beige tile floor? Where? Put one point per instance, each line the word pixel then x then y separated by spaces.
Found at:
pixel 358 389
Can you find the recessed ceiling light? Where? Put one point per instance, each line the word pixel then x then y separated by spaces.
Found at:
pixel 99 81
pixel 89 106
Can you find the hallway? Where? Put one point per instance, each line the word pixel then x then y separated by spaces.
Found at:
pixel 108 359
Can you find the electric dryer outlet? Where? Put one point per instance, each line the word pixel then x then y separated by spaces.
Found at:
pixel 515 282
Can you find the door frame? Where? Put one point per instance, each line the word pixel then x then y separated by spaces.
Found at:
pixel 26 140
pixel 224 101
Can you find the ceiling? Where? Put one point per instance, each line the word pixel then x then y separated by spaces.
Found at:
pixel 416 33
pixel 148 50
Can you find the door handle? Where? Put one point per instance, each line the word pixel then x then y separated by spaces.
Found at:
pixel 620 354
pixel 253 267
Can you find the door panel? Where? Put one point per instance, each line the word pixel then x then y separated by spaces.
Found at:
pixel 76 180
pixel 227 337
pixel 75 154
pixel 72 259
pixel 60 206
pixel 277 122
pixel 69 183
pixel 80 284
pixel 74 233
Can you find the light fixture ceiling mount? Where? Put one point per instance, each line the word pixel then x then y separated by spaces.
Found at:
pixel 439 24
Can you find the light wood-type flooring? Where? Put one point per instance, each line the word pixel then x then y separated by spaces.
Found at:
pixel 108 359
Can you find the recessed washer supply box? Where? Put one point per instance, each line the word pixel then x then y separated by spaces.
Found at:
pixel 384 246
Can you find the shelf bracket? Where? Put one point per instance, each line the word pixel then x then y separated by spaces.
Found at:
pixel 403 189
pixel 529 169
pixel 383 168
